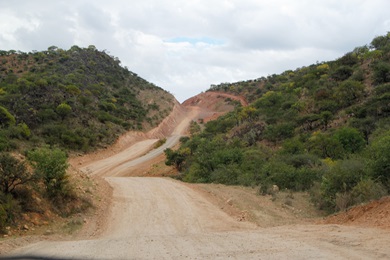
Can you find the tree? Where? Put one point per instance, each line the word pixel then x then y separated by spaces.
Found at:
pixel 326 116
pixel 177 158
pixel 348 92
pixel 351 139
pixel 342 73
pixel 325 146
pixel 380 42
pixel 341 178
pixel 63 110
pixel 364 125
pixel 279 132
pixel 381 73
pixel 12 173
pixel 51 165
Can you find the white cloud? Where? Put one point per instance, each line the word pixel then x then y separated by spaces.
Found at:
pixel 184 46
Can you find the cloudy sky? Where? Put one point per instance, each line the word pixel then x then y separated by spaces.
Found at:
pixel 184 46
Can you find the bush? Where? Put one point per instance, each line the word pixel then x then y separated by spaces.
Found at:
pixel 9 209
pixel 350 139
pixel 197 173
pixel 381 73
pixel 340 179
pixel 51 165
pixel 279 132
pixel 226 174
pixel 379 153
pixel 63 110
pixel 367 190
pixel 280 173
pixel 324 146
pixel 159 143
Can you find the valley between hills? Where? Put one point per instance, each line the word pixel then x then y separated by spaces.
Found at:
pixel 155 217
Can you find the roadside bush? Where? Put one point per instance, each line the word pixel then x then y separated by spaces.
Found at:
pixel 340 179
pixel 51 165
pixel 174 158
pixel 226 174
pixel 367 190
pixel 9 209
pixel 196 173
pixel 251 167
pixel 280 173
pixel 305 178
pixel 159 143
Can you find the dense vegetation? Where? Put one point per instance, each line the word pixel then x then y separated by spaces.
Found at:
pixel 55 102
pixel 324 128
pixel 78 99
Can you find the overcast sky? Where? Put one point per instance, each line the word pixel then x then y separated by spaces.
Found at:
pixel 184 46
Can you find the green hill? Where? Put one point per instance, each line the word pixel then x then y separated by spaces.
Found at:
pixel 78 99
pixel 324 128
pixel 57 102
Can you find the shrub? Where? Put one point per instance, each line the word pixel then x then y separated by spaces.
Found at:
pixel 159 143
pixel 51 165
pixel 367 190
pixel 63 110
pixel 174 158
pixel 226 174
pixel 324 146
pixel 349 92
pixel 9 208
pixel 280 173
pixel 341 178
pixel 279 132
pixel 197 173
pixel 350 139
pixel 381 73
pixel 379 153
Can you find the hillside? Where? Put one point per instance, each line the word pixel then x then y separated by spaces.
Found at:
pixel 57 103
pixel 323 128
pixel 78 99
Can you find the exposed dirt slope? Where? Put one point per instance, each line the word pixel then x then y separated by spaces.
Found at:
pixel 373 214
pixel 214 104
pixel 165 128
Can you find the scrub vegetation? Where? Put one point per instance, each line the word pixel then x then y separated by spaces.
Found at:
pixel 324 128
pixel 59 102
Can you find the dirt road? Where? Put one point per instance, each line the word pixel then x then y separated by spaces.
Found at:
pixel 157 218
pixel 160 218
